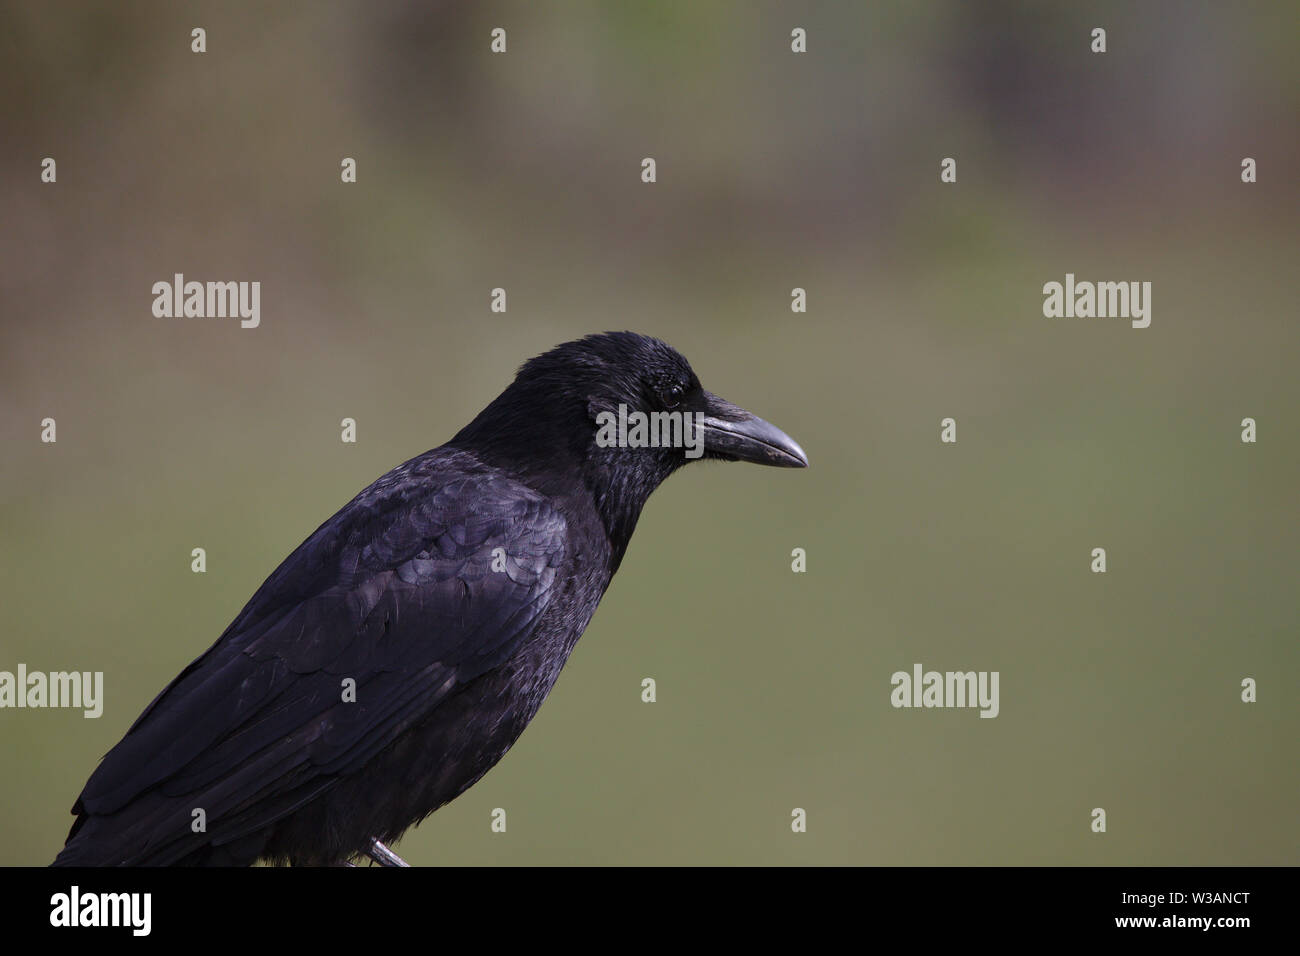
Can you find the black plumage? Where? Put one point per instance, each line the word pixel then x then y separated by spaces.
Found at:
pixel 397 591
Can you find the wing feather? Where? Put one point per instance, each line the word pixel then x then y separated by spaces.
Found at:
pixel 396 592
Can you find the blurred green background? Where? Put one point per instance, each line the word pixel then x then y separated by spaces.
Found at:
pixel 775 170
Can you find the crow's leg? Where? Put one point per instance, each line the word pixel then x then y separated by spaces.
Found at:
pixel 382 855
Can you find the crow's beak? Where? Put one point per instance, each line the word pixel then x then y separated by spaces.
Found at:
pixel 732 433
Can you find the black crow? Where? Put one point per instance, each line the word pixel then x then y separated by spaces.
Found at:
pixel 399 651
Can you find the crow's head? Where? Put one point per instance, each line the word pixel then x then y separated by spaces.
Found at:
pixel 624 411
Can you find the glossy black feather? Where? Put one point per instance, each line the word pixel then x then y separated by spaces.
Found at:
pixel 451 658
pixel 395 592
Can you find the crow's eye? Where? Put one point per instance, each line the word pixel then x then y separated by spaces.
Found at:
pixel 671 396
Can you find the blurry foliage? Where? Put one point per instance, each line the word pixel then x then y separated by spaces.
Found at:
pixel 775 171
